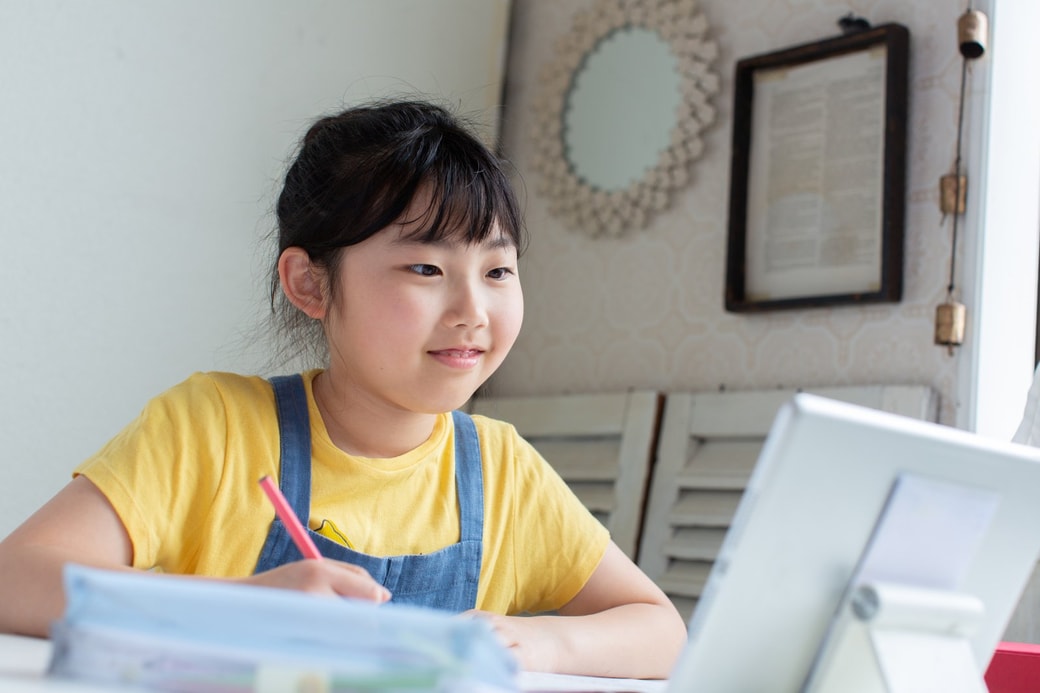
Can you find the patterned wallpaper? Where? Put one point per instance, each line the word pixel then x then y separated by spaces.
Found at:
pixel 646 310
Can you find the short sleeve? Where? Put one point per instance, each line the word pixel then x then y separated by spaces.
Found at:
pixel 554 543
pixel 162 471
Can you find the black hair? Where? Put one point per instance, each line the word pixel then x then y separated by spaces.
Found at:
pixel 356 172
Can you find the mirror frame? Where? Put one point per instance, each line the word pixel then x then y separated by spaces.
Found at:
pixel 595 211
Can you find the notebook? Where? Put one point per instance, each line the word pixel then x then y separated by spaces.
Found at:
pixel 173 634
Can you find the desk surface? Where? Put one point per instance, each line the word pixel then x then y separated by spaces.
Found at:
pixel 23 661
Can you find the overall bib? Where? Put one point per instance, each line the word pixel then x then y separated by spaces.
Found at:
pixel 445 579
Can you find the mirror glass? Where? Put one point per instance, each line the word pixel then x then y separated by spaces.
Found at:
pixel 621 109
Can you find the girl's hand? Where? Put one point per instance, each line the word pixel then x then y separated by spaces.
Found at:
pixel 325 577
pixel 620 625
pixel 531 639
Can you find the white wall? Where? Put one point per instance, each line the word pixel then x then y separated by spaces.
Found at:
pixel 142 146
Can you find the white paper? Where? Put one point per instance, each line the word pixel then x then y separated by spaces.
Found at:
pixel 928 534
pixel 816 178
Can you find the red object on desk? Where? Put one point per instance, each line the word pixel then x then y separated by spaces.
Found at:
pixel 1015 668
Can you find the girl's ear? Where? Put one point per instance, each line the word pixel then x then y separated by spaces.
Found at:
pixel 302 282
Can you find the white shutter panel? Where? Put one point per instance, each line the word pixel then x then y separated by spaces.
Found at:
pixel 708 446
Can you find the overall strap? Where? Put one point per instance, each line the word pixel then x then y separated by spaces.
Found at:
pixel 294 475
pixel 469 478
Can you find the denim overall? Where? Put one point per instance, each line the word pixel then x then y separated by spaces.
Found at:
pixel 445 579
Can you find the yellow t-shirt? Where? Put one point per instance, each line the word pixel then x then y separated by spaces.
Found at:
pixel 183 479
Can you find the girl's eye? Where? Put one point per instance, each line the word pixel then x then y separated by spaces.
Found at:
pixel 500 273
pixel 425 270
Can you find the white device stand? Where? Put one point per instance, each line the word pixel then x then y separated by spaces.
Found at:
pixel 891 638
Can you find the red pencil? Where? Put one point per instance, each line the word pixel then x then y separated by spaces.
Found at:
pixel 288 517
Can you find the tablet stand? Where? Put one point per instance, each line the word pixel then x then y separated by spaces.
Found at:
pixel 892 638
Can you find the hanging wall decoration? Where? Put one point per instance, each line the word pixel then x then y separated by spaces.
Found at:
pixel 817 187
pixel 620 111
pixel 951 315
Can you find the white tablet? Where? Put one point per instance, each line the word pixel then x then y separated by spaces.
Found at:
pixel 832 481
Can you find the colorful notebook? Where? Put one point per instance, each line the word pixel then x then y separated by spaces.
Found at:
pixel 173 634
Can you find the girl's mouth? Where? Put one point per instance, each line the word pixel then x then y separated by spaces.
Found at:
pixel 458 358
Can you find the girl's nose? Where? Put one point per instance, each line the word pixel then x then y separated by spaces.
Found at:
pixel 468 306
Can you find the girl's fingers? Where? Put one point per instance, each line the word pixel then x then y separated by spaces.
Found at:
pixel 348 580
pixel 328 577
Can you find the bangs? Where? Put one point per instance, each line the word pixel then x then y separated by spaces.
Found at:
pixel 409 161
pixel 463 211
pixel 465 186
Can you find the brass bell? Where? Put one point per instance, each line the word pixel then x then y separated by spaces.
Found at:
pixel 949 324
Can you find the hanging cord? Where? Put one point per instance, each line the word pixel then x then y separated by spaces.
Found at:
pixel 971 37
pixel 957 179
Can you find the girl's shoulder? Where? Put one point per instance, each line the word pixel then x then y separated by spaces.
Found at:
pixel 505 445
pixel 209 383
pixel 226 391
pixel 495 430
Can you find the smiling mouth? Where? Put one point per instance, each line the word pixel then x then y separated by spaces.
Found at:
pixel 458 358
pixel 458 353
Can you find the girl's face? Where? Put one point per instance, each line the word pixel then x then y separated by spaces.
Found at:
pixel 420 326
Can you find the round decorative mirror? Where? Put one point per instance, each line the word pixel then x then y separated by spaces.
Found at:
pixel 620 111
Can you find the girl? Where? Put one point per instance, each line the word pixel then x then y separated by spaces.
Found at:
pixel 398 242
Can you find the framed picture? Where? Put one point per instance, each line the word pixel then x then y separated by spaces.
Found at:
pixel 818 173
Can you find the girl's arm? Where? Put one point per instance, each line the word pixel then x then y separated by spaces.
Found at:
pixel 79 525
pixel 620 625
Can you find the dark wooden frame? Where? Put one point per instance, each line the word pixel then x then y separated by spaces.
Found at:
pixel 896 39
